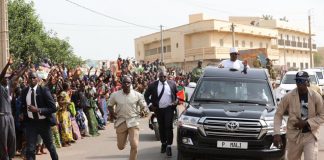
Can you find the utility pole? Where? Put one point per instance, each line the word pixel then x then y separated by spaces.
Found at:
pixel 285 57
pixel 162 50
pixel 233 34
pixel 310 41
pixel 4 35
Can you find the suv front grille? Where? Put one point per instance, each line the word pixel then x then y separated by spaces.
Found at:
pixel 248 128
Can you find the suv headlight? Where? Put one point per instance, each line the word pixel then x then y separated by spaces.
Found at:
pixel 188 121
pixel 269 125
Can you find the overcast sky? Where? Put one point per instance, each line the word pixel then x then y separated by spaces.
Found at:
pixel 96 35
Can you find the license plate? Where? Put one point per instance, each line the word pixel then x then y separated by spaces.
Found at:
pixel 230 144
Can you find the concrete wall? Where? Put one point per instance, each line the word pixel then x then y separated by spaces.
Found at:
pixel 4 35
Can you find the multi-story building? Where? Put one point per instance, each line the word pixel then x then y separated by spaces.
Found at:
pixel 209 40
pixel 292 42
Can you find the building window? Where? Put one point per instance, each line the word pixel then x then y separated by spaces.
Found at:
pixel 168 48
pixel 281 36
pixel 236 43
pixel 301 65
pixel 293 38
pixel 221 42
pixel 304 39
pixel 261 44
pixel 251 44
pixel 298 39
pixel 243 43
pixel 287 37
pixel 267 45
pixel 288 64
pixel 294 65
pixel 177 45
pixel 306 65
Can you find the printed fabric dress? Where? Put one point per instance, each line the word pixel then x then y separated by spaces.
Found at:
pixel 92 120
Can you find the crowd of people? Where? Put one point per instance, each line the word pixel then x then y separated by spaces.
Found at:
pixel 50 106
pixel 80 101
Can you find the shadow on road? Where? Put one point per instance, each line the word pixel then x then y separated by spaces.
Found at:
pixel 147 137
pixel 153 153
pixel 109 157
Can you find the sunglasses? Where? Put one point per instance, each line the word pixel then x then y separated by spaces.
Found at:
pixel 301 81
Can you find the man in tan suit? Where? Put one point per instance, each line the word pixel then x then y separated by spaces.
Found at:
pixel 129 105
pixel 306 114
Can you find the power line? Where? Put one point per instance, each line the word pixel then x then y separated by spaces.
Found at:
pixel 82 25
pixel 110 17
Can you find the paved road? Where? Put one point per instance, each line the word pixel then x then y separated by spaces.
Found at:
pixel 104 147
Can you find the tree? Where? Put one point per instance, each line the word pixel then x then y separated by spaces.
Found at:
pixel 28 39
pixel 318 59
pixel 284 19
pixel 267 17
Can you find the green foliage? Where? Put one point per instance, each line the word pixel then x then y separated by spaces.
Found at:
pixel 318 60
pixel 267 17
pixel 284 19
pixel 28 39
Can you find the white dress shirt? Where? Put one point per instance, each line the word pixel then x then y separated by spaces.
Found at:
pixel 238 64
pixel 166 99
pixel 28 102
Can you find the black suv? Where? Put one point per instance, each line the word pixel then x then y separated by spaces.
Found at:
pixel 230 115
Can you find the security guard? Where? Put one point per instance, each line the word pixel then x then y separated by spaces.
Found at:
pixel 306 114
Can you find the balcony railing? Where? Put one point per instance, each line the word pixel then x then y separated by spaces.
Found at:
pixel 299 44
pixel 287 42
pixel 281 42
pixel 304 45
pixel 293 43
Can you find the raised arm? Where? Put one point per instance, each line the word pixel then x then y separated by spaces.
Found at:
pixel 4 71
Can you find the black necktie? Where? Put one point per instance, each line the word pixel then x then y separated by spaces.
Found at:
pixel 32 98
pixel 161 93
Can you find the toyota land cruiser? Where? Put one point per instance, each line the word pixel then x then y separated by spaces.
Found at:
pixel 230 115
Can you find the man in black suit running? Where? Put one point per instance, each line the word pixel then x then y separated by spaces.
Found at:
pixel 37 108
pixel 161 96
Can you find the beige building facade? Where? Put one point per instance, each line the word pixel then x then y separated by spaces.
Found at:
pixel 209 40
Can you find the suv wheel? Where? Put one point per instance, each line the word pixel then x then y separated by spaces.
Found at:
pixel 181 156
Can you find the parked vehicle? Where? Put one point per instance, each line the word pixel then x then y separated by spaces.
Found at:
pixel 230 115
pixel 288 82
pixel 320 76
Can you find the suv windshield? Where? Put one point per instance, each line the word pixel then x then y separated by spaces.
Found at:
pixel 234 90
pixel 319 75
pixel 290 79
